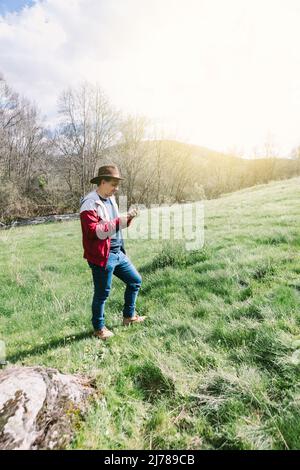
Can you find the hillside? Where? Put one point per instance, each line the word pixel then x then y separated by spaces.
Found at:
pixel 217 363
pixel 204 153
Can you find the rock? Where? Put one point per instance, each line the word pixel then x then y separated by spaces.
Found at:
pixel 38 407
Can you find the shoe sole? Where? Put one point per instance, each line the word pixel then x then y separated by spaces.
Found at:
pixel 134 322
pixel 104 338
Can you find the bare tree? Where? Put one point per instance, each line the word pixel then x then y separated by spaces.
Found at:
pixel 131 153
pixel 295 154
pixel 22 136
pixel 88 126
pixel 271 154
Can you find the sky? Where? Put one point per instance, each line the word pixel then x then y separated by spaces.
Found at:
pixel 13 5
pixel 221 74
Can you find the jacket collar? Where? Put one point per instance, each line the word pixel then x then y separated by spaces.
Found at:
pixel 101 203
pixel 95 197
pixel 98 200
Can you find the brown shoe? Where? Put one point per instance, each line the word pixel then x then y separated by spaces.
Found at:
pixel 135 319
pixel 104 333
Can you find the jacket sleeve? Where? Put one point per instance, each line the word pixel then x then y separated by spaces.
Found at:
pixel 102 229
pixel 95 228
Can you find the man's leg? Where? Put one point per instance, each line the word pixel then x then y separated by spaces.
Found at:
pixel 102 278
pixel 126 271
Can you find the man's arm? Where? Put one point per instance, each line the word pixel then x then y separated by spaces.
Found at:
pixel 102 229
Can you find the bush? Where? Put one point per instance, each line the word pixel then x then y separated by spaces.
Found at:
pixel 13 204
pixel 175 255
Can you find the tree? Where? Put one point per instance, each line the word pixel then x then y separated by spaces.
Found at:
pixel 131 155
pixel 22 136
pixel 295 154
pixel 88 127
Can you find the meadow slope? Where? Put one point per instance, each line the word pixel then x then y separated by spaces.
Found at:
pixel 217 363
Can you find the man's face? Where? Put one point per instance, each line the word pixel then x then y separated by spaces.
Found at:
pixel 108 188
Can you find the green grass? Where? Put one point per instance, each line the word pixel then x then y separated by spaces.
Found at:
pixel 217 364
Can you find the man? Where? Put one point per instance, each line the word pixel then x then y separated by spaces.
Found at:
pixel 104 250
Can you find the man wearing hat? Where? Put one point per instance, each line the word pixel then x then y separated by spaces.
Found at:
pixel 104 250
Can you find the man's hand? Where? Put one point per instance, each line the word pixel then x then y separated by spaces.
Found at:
pixel 134 212
pixel 127 218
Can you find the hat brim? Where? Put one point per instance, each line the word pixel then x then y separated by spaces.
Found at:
pixel 97 179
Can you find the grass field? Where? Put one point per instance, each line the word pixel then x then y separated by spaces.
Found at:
pixel 216 365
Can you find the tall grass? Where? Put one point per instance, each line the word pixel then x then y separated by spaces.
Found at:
pixel 217 363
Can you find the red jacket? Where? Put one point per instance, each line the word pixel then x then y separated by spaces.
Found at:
pixel 97 228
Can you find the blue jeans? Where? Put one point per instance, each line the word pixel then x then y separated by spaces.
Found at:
pixel 119 265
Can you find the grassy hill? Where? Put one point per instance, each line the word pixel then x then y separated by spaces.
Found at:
pixel 217 363
pixel 215 172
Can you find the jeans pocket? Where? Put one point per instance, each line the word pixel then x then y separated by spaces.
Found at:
pixel 111 262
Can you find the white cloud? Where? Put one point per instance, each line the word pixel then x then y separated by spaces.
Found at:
pixel 220 73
